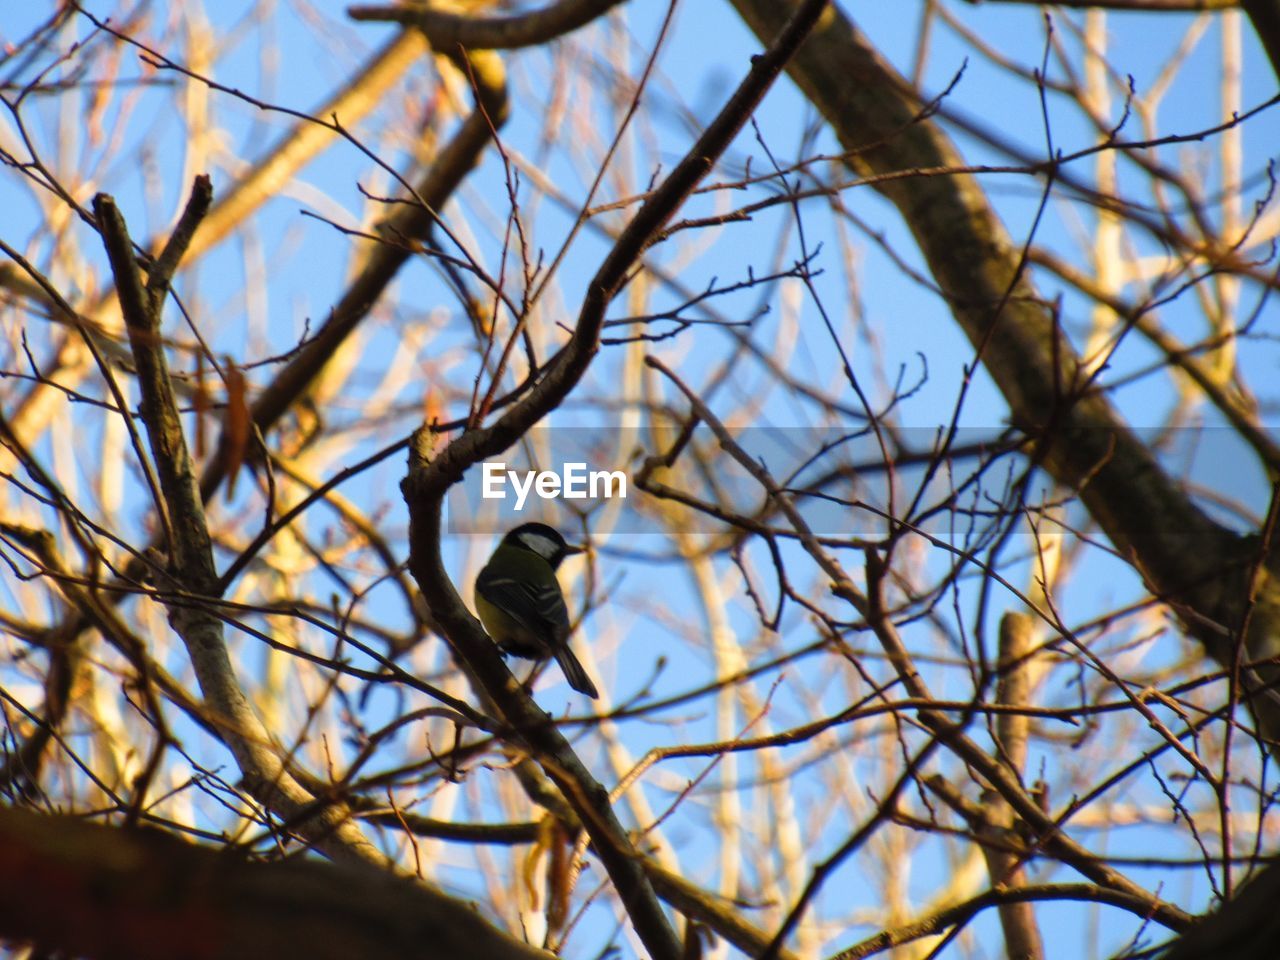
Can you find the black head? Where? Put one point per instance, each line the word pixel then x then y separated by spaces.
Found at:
pixel 541 539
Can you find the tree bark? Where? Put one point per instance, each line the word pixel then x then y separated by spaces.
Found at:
pixel 103 892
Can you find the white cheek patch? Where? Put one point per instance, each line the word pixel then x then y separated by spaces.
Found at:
pixel 540 545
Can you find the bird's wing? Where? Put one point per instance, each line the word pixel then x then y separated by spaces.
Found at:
pixel 538 608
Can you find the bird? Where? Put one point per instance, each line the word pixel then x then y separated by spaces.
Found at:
pixel 520 602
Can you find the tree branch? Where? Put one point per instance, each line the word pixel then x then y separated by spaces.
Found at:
pixel 86 889
pixel 1219 583
pixel 191 572
pixel 940 922
pixel 430 476
pixel 446 31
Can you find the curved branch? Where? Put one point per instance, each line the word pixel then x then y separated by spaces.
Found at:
pixel 430 476
pixel 943 920
pixel 90 890
pixel 447 31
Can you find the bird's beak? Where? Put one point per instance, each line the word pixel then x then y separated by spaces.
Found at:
pixel 571 548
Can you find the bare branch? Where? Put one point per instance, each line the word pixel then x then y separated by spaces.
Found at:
pixel 191 567
pixel 447 31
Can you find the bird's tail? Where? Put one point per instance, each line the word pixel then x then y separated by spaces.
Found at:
pixel 573 671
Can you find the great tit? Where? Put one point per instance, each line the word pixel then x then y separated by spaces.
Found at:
pixel 520 602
